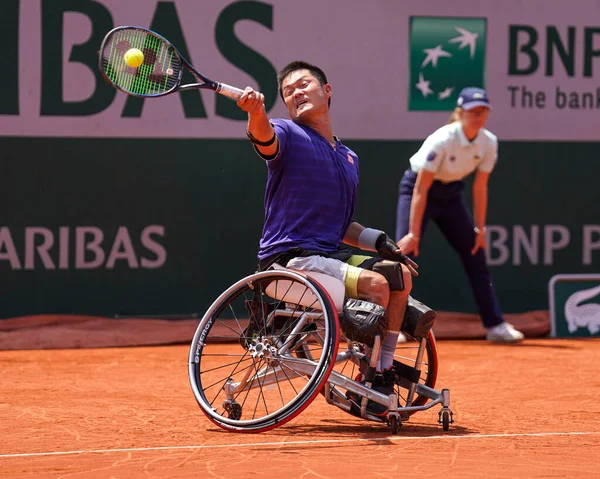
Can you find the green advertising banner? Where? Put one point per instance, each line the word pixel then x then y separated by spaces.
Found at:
pixel 114 226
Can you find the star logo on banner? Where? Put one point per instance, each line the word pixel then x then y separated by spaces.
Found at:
pixel 446 93
pixel 423 86
pixel 433 55
pixel 466 38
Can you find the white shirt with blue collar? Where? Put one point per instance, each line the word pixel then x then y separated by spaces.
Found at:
pixel 448 153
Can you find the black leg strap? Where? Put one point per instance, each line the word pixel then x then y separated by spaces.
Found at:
pixel 406 372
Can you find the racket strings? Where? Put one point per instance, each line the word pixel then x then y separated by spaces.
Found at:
pixel 158 73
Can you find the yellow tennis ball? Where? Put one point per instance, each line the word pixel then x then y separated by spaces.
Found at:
pixel 134 57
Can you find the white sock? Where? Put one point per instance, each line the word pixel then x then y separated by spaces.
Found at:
pixel 388 348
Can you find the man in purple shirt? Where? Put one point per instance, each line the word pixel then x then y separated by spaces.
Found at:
pixel 310 201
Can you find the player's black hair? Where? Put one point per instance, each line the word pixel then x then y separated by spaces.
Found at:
pixel 300 65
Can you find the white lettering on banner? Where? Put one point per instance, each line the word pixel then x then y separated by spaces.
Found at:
pixel 63 252
pixel 541 244
pixel 7 249
pixel 530 244
pixel 122 249
pixel 496 237
pixel 533 57
pixel 93 246
pixel 159 251
pixel 589 244
pixel 44 249
pixel 550 245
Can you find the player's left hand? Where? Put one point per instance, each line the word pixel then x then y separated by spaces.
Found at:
pixel 479 243
pixel 387 249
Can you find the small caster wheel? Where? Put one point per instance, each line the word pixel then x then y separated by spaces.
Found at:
pixel 445 420
pixel 394 424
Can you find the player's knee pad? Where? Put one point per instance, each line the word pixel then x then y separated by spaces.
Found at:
pixel 392 272
pixel 418 319
pixel 362 320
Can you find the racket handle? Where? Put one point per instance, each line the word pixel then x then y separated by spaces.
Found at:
pixel 228 90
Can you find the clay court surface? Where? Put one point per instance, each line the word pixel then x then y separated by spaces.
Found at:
pixel 531 410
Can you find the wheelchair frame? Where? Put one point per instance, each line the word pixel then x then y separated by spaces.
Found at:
pixel 273 352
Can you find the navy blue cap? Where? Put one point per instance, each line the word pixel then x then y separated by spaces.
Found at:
pixel 471 97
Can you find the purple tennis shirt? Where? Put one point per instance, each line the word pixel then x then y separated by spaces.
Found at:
pixel 311 190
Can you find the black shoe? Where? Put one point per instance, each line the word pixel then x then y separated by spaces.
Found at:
pixel 382 383
pixel 360 378
pixel 391 377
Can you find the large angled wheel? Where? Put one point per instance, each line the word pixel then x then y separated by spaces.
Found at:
pixel 244 367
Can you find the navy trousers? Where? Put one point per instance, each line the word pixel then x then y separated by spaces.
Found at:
pixel 446 206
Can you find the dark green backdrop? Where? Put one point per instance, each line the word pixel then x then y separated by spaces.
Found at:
pixel 208 196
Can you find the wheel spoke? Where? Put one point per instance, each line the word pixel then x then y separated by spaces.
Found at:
pixel 260 389
pixel 230 375
pixel 299 374
pixel 248 386
pixel 236 319
pixel 225 365
pixel 257 377
pixel 220 321
pixel 224 380
pixel 223 355
pixel 290 381
pixel 279 387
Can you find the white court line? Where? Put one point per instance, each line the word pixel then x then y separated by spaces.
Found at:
pixel 298 443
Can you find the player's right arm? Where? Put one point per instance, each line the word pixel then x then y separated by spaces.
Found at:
pixel 260 131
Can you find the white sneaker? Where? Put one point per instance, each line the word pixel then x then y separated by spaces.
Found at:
pixel 504 332
pixel 401 338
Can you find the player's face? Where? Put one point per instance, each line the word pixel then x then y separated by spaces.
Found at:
pixel 304 96
pixel 476 118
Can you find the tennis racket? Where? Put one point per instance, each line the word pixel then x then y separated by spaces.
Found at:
pixel 161 68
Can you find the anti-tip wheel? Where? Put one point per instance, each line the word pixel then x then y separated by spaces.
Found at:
pixel 445 420
pixel 394 424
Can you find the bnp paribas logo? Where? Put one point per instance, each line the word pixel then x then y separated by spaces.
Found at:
pixel 446 55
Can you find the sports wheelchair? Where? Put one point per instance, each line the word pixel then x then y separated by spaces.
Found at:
pixel 288 348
